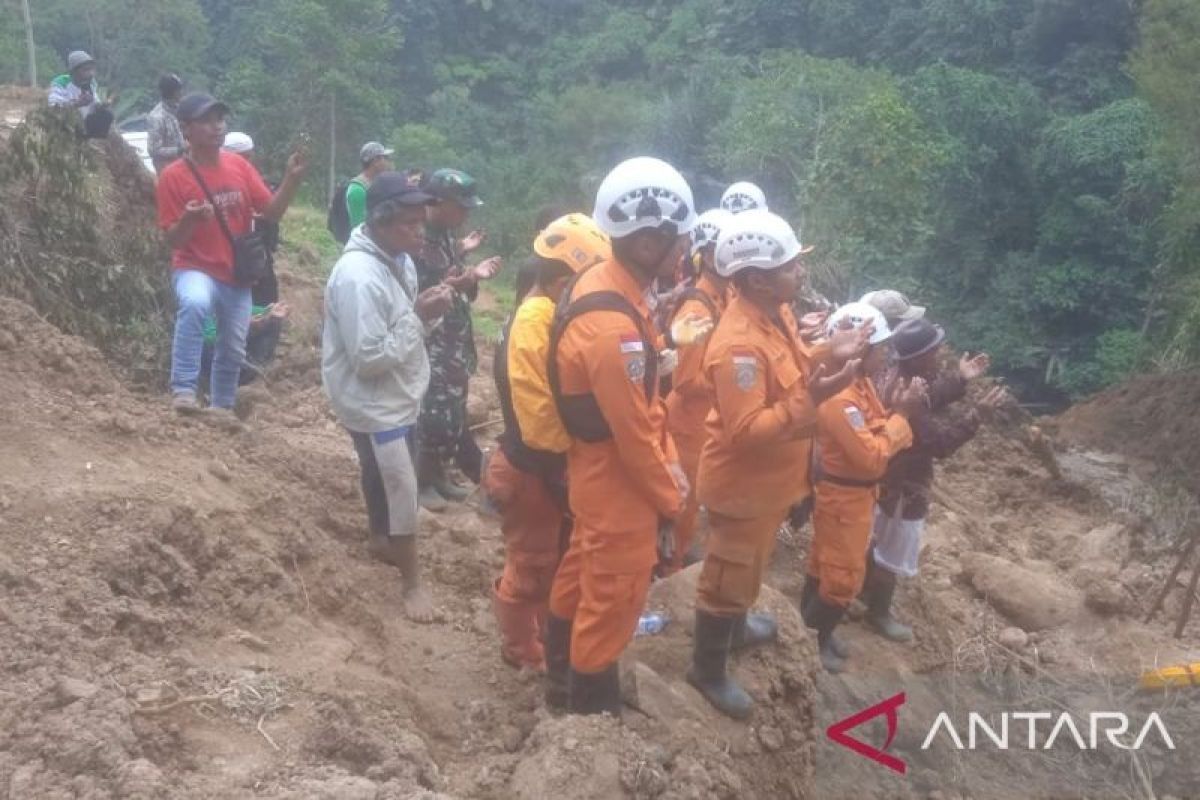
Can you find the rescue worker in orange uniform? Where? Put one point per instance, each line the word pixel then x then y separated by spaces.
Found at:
pixel 857 437
pixel 526 478
pixel 622 470
pixel 766 388
pixel 690 400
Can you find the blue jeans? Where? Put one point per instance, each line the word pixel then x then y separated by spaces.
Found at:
pixel 198 296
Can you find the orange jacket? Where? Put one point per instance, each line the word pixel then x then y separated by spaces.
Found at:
pixel 756 458
pixel 623 484
pixel 857 436
pixel 691 397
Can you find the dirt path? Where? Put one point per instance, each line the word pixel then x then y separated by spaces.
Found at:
pixel 190 612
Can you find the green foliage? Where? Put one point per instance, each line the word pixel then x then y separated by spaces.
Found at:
pixel 987 156
pixel 305 243
pixel 1164 66
pixel 76 246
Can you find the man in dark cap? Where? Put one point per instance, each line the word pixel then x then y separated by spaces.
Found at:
pixel 78 89
pixel 375 368
pixel 443 434
pixel 943 427
pixel 206 201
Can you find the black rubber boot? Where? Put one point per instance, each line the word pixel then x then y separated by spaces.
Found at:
pixel 558 661
pixel 470 458
pixel 824 617
pixel 595 693
pixel 811 590
pixel 750 630
pixel 710 655
pixel 428 473
pixel 881 589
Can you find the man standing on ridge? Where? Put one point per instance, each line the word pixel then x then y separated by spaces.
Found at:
pixel 375 159
pixel 204 201
pixel 375 369
pixel 623 473
pixel 857 437
pixel 164 138
pixel 78 89
pixel 766 386
pixel 443 435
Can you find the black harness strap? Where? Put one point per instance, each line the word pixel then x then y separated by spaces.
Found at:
pixel 581 414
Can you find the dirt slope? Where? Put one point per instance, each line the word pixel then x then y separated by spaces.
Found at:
pixel 1151 418
pixel 189 612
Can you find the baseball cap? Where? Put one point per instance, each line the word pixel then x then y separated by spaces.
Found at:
pixel 396 187
pixel 894 305
pixel 373 150
pixel 453 184
pixel 77 59
pixel 238 142
pixel 916 337
pixel 196 105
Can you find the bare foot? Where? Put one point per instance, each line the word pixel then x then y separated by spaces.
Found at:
pixel 418 605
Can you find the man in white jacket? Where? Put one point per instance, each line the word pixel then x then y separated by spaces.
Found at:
pixel 375 369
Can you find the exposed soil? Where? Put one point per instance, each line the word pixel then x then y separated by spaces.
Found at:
pixel 188 611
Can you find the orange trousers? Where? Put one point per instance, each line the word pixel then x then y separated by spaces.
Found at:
pixel 602 585
pixel 842 519
pixel 531 523
pixel 688 444
pixel 739 551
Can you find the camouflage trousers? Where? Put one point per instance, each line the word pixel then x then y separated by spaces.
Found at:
pixel 443 418
pixel 442 433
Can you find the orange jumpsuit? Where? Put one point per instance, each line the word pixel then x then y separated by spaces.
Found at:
pixel 619 487
pixel 857 438
pixel 755 462
pixel 518 481
pixel 687 408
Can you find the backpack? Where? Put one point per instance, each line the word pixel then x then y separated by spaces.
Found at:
pixel 580 414
pixel 337 220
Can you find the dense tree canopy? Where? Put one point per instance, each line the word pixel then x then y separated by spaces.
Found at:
pixel 1029 168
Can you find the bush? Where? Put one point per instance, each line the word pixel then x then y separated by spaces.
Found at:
pixel 80 242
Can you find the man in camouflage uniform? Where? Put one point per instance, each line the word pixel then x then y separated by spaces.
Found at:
pixel 443 434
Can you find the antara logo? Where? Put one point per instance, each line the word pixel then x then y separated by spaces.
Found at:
pixel 1113 724
pixel 891 707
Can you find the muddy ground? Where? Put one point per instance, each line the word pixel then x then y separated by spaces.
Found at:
pixel 188 611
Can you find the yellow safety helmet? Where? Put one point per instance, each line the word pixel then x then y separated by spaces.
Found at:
pixel 575 240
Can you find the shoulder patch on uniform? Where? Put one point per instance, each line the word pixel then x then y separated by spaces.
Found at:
pixel 857 421
pixel 635 366
pixel 632 343
pixel 745 369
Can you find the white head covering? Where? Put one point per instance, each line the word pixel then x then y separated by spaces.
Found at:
pixel 238 142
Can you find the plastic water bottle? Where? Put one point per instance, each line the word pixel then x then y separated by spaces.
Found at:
pixel 651 623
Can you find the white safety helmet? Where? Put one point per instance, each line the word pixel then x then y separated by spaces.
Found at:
pixel 860 314
pixel 743 196
pixel 757 239
pixel 708 228
pixel 644 193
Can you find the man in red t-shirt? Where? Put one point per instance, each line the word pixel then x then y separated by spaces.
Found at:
pixel 201 254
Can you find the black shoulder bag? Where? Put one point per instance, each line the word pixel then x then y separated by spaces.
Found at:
pixel 249 250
